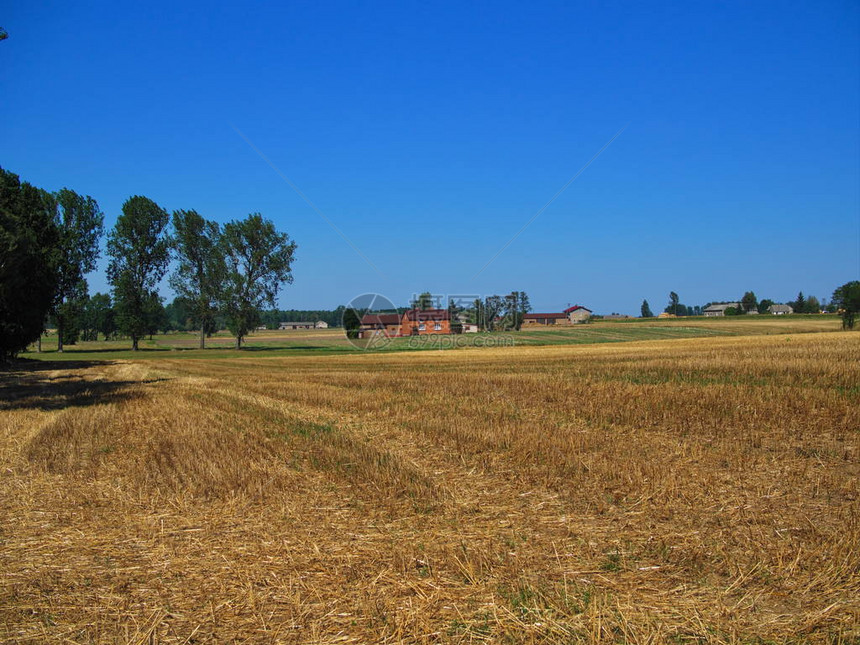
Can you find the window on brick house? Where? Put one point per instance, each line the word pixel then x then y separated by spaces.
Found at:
pixel 438 326
pixel 421 326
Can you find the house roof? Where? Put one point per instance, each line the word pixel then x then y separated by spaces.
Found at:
pixel 576 308
pixel 786 308
pixel 723 306
pixel 427 314
pixel 380 319
pixel 545 316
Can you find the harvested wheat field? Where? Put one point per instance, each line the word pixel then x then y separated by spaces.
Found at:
pixel 702 490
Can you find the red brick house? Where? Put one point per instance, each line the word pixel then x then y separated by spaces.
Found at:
pixel 417 322
pixel 384 324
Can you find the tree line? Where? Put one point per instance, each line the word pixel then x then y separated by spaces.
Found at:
pixel 50 241
pixel 845 301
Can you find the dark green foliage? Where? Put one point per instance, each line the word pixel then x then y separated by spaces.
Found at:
pixel 847 301
pixel 179 314
pixel 200 271
pixel 156 316
pixel 491 308
pixel 351 322
pixel 799 305
pixel 80 224
pixel 749 302
pixel 258 260
pixel 672 307
pixel 764 304
pixel 516 305
pixel 139 251
pixel 645 310
pixel 98 317
pixel 423 302
pixel 28 262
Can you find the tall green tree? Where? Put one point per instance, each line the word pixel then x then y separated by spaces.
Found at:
pixel 799 305
pixel 764 304
pixel 258 262
pixel 80 223
pixel 492 307
pixel 140 251
pixel 645 310
pixel 812 306
pixel 672 307
pixel 749 302
pixel 28 262
pixel 98 317
pixel 516 305
pixel 847 301
pixel 201 270
pixel 423 302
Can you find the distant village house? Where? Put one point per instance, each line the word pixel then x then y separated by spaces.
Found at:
pixel 320 324
pixel 379 324
pixel 417 322
pixel 570 316
pixel 780 310
pixel 720 310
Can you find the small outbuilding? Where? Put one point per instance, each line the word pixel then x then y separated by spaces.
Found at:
pixel 780 310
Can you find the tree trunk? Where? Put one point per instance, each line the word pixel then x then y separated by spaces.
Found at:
pixel 202 336
pixel 59 333
pixel 238 342
pixel 134 343
pixel 39 344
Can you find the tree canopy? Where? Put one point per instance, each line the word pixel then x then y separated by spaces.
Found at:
pixel 200 271
pixel 80 224
pixel 258 262
pixel 139 249
pixel 847 301
pixel 28 262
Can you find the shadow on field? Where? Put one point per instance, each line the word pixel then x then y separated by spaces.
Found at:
pixel 31 385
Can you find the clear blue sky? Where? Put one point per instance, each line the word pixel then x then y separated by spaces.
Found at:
pixel 429 133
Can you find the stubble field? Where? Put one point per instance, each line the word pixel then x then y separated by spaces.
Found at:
pixel 700 490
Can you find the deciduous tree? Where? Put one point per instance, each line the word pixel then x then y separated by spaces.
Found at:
pixel 139 249
pixel 645 310
pixel 847 301
pixel 80 224
pixel 201 270
pixel 28 262
pixel 258 262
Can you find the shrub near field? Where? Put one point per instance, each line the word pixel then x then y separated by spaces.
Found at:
pixel 701 490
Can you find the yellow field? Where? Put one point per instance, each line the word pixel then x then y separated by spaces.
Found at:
pixel 702 490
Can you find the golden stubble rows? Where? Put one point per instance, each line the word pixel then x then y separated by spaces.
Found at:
pixel 702 490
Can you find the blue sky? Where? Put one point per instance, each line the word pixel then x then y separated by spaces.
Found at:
pixel 429 133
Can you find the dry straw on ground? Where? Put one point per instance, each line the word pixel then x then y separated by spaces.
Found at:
pixel 695 491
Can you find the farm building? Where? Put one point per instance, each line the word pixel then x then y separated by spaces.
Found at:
pixel 577 314
pixel 296 325
pixel 546 319
pixel 570 316
pixel 780 310
pixel 379 324
pixel 720 310
pixel 417 322
pixel 321 324
pixel 470 328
